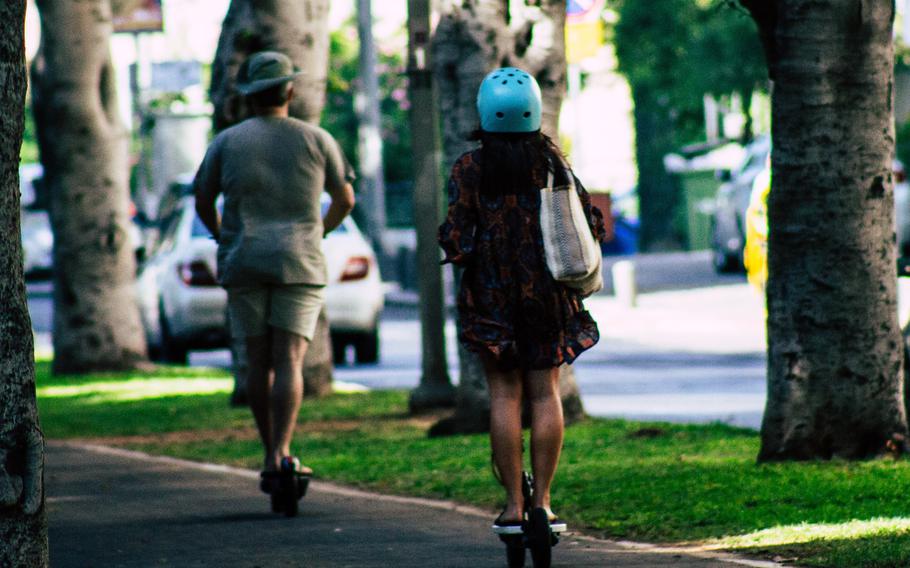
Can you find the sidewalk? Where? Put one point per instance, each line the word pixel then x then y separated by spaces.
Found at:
pixel 114 508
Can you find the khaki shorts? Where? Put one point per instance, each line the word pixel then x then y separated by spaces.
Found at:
pixel 292 307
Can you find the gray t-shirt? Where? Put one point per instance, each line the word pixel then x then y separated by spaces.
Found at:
pixel 272 172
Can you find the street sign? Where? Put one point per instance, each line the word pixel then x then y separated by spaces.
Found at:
pixel 147 17
pixel 174 76
pixel 584 29
pixel 578 11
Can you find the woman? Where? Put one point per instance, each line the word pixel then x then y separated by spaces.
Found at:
pixel 521 322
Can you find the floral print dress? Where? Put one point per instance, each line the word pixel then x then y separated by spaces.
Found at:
pixel 508 304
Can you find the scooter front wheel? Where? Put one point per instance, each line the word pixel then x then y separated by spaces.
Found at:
pixel 540 538
pixel 515 551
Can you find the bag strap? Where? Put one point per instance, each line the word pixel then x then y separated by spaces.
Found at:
pixel 569 176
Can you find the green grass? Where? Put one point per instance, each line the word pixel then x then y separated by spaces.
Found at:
pixel 655 482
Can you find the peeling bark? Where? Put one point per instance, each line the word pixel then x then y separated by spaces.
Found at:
pixel 835 378
pixel 23 519
pixel 84 153
pixel 299 29
pixel 474 37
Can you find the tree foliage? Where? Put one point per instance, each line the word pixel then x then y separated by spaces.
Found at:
pixel 340 117
pixel 673 52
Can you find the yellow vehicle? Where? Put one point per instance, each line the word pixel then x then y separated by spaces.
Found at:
pixel 755 254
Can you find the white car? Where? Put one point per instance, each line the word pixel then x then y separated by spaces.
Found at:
pixel 37 237
pixel 902 209
pixel 184 308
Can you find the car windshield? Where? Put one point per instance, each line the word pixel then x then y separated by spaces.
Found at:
pixel 199 230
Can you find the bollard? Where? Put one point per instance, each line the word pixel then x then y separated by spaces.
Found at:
pixel 624 287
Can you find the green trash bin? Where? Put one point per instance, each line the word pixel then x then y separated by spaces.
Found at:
pixel 698 190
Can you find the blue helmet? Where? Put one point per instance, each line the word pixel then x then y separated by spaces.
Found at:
pixel 509 101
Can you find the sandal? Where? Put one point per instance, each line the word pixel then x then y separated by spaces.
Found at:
pixel 270 480
pixel 556 524
pixel 501 526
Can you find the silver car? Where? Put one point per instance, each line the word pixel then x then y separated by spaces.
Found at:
pixel 183 307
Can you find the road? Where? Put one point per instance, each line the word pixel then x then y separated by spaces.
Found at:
pixel 692 350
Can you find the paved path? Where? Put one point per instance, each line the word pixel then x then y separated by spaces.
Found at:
pixel 113 508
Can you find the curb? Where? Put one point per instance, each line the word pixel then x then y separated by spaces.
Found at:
pixel 468 510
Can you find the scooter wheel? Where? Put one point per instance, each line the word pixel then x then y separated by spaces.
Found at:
pixel 540 539
pixel 302 484
pixel 515 553
pixel 277 505
pixel 289 493
pixel 542 556
pixel 289 504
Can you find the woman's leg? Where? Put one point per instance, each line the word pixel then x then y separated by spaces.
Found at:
pixel 505 433
pixel 542 390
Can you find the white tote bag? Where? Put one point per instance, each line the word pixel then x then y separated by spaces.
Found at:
pixel 572 253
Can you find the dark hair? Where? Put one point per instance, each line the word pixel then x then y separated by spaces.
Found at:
pixel 508 159
pixel 271 97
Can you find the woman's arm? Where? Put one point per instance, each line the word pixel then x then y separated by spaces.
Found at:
pixel 456 234
pixel 594 216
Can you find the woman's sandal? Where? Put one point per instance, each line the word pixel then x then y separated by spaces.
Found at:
pixel 501 526
pixel 557 525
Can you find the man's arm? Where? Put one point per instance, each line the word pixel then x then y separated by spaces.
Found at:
pixel 342 204
pixel 206 189
pixel 208 213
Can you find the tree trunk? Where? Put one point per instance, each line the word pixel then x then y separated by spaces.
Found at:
pixel 84 154
pixel 476 36
pixel 299 29
pixel 657 191
pixel 473 38
pixel 834 350
pixel 23 520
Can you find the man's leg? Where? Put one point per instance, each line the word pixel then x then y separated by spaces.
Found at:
pixel 258 352
pixel 288 351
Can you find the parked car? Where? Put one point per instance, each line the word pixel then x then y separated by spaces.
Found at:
pixel 37 237
pixel 756 248
pixel 902 209
pixel 728 221
pixel 184 308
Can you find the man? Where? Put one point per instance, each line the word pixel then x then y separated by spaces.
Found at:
pixel 272 169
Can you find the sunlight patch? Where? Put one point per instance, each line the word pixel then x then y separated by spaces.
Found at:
pixel 138 389
pixel 813 532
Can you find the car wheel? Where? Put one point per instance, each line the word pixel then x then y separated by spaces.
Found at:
pixel 725 263
pixel 339 347
pixel 172 350
pixel 366 346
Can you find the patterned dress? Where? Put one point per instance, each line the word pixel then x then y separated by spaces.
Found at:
pixel 508 304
